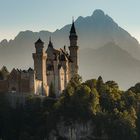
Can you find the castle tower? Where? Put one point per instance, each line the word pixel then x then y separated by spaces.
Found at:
pixel 40 61
pixel 73 50
pixel 50 50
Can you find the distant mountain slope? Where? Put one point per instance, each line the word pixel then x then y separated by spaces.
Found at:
pixel 94 32
pixel 111 62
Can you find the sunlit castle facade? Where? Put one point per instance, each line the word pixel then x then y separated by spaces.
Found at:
pixel 54 68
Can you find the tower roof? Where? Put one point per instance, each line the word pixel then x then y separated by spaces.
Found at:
pixel 39 41
pixel 73 36
pixel 50 43
pixel 73 30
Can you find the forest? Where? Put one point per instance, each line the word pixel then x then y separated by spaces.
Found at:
pixel 114 114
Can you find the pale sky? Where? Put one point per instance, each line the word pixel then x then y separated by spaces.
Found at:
pixel 36 15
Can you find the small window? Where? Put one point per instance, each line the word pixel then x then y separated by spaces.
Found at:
pixel 13 90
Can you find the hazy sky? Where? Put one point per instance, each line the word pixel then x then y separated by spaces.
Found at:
pixel 36 15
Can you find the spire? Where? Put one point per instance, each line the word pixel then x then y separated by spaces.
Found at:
pixel 73 31
pixel 73 36
pixel 50 39
pixel 39 45
pixel 73 19
pixel 50 43
pixel 39 41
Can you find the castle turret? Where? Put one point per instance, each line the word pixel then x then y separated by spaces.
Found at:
pixel 40 61
pixel 73 50
pixel 50 50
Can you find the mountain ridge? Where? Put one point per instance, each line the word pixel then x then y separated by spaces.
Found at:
pixel 94 32
pixel 111 62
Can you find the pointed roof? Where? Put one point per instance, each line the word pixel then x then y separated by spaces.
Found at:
pixel 39 41
pixel 30 69
pixel 50 43
pixel 13 74
pixel 73 30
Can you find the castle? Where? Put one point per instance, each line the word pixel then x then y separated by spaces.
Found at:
pixel 53 69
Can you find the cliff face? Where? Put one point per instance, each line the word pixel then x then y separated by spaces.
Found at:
pixel 75 131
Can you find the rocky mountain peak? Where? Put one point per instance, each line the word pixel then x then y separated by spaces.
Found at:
pixel 98 13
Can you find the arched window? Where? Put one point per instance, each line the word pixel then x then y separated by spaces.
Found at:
pixel 13 90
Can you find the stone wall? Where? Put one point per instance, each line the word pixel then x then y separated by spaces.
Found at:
pixel 75 131
pixel 38 87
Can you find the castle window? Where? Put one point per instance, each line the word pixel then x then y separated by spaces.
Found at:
pixel 13 90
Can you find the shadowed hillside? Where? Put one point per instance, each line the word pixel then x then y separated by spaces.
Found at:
pixel 111 62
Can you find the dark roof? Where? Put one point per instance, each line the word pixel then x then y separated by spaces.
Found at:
pixel 30 70
pixel 25 71
pixel 50 44
pixel 72 30
pixel 39 41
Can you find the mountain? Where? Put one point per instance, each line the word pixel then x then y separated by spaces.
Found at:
pixel 111 62
pixel 94 33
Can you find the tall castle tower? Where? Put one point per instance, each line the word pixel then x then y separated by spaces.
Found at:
pixel 40 61
pixel 55 67
pixel 73 50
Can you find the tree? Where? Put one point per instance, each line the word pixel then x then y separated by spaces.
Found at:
pixel 114 114
pixel 75 81
pixel 94 101
pixel 100 85
pixel 91 83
